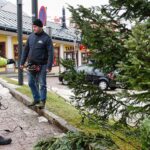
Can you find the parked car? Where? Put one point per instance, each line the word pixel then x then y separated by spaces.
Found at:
pixel 95 76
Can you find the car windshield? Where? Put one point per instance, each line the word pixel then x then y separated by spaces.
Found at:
pixel 90 70
pixel 86 69
pixel 98 72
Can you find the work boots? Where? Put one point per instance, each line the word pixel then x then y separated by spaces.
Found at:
pixel 34 103
pixel 10 61
pixel 41 105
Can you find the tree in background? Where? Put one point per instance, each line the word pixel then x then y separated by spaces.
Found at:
pixel 130 9
pixel 112 46
pixel 136 68
pixel 103 35
pixel 109 41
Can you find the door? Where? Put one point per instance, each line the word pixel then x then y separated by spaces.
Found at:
pixel 2 49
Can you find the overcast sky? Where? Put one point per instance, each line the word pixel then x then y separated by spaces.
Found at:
pixel 54 7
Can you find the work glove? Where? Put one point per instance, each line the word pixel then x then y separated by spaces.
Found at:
pixel 10 61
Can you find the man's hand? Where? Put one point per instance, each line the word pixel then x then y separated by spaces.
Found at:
pixel 21 67
pixel 10 61
pixel 49 70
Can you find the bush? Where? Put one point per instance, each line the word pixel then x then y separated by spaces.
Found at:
pixel 145 134
pixel 77 141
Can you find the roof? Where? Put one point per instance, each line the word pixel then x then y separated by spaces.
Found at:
pixel 2 3
pixel 63 33
pixel 8 6
pixel 8 21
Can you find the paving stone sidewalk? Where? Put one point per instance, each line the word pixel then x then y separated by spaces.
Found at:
pixel 26 125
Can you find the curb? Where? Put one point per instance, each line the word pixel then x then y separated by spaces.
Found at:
pixel 52 118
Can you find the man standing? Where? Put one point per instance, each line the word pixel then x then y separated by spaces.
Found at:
pixel 4 62
pixel 39 51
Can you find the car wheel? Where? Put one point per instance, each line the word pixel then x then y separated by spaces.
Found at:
pixel 103 85
pixel 64 82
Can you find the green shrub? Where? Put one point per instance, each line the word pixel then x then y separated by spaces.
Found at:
pixel 145 134
pixel 77 141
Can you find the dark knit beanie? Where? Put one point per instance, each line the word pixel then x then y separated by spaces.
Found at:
pixel 38 23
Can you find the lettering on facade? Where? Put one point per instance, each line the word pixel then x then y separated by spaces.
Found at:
pixel 69 48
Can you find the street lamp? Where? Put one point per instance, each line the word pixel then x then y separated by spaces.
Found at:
pixel 20 44
pixel 19 31
pixel 77 32
pixel 34 9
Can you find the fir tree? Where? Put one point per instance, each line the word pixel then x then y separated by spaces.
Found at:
pixel 112 43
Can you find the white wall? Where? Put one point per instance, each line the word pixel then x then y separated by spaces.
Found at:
pixel 61 56
pixel 10 54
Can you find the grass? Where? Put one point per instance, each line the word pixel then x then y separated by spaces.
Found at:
pixel 9 80
pixel 58 106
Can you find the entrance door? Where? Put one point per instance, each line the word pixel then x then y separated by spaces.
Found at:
pixel 2 49
pixel 56 57
pixel 16 54
pixel 2 54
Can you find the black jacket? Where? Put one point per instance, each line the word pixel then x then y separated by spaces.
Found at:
pixel 38 50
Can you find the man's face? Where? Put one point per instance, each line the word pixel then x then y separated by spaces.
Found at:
pixel 37 29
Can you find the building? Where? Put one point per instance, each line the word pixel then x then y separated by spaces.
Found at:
pixel 65 40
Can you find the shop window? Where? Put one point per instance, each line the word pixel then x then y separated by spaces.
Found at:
pixel 84 57
pixel 16 55
pixel 69 55
pixel 56 56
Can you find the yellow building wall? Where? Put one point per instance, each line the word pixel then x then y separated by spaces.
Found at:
pixel 14 40
pixel 3 38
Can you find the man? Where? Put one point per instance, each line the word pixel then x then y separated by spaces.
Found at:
pixel 39 52
pixel 4 62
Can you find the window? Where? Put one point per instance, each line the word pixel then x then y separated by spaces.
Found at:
pixel 2 49
pixel 86 69
pixel 84 57
pixel 16 54
pixel 56 56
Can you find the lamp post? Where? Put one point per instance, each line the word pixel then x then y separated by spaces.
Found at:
pixel 19 27
pixel 34 9
pixel 76 46
pixel 19 31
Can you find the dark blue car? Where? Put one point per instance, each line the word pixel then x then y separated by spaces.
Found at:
pixel 95 76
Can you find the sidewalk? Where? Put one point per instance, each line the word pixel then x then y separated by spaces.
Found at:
pixel 54 72
pixel 60 90
pixel 26 125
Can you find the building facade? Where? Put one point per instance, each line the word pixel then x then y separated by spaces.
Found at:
pixel 65 40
